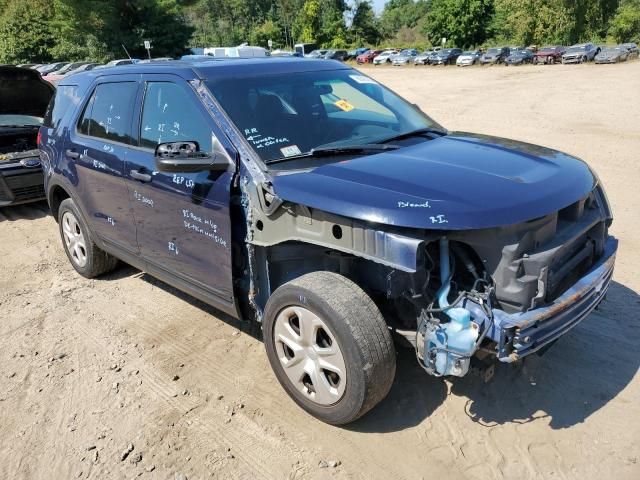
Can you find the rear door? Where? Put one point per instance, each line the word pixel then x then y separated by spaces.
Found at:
pixel 97 148
pixel 183 221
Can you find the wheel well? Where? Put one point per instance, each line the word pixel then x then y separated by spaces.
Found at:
pixel 56 197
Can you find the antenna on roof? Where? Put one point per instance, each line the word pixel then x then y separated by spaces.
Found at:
pixel 125 51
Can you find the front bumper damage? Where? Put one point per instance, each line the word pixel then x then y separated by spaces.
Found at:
pixel 520 334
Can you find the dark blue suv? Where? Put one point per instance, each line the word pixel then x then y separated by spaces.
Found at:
pixel 307 197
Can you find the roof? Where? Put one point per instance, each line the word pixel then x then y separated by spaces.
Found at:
pixel 214 68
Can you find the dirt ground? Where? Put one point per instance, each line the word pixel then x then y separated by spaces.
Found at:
pixel 90 367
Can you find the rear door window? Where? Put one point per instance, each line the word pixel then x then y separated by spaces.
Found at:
pixel 108 113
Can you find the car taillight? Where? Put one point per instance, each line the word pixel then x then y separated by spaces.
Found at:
pixel 38 138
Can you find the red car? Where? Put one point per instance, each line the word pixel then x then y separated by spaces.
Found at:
pixel 551 54
pixel 368 56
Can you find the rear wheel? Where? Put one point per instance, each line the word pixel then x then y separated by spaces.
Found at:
pixel 329 346
pixel 87 259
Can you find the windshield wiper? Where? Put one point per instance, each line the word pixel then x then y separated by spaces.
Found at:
pixel 341 150
pixel 420 132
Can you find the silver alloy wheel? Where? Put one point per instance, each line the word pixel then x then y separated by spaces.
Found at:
pixel 74 239
pixel 310 355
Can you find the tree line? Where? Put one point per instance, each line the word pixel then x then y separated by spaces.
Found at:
pixel 44 30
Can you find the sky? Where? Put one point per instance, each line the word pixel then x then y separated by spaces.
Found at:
pixel 378 5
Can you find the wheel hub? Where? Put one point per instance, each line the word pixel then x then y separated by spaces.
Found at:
pixel 74 239
pixel 310 355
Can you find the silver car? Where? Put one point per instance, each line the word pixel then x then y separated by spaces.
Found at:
pixel 405 57
pixel 469 57
pixel 616 54
pixel 385 57
pixel 581 53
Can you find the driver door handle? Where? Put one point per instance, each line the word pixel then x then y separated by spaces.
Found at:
pixel 143 177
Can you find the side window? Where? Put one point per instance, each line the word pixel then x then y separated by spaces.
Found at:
pixel 66 97
pixel 107 115
pixel 169 114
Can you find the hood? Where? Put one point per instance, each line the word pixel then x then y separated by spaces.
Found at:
pixel 459 181
pixel 23 92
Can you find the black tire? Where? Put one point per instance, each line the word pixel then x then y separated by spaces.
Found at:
pixel 98 261
pixel 360 331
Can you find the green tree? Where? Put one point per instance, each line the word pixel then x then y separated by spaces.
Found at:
pixel 399 14
pixel 364 27
pixel 463 23
pixel 25 32
pixel 625 25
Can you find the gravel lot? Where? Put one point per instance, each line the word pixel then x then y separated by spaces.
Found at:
pixel 92 368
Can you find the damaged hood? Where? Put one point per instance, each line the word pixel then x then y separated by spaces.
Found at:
pixel 23 92
pixel 459 181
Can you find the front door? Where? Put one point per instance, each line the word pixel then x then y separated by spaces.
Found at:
pixel 97 147
pixel 183 220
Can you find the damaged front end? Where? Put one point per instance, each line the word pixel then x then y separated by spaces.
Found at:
pixel 505 291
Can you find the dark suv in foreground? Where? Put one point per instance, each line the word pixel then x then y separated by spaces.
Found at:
pixel 306 196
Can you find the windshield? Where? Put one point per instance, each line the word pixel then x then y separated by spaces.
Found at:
pixel 576 49
pixel 493 51
pixel 286 115
pixel 469 52
pixel 19 120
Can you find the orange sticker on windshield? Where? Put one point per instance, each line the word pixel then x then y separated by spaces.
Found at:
pixel 344 105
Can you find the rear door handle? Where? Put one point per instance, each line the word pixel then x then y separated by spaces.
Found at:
pixel 72 154
pixel 143 177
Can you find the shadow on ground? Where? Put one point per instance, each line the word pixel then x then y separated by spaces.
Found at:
pixel 28 211
pixel 580 374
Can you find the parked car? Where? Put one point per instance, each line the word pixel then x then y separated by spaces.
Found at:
pixel 336 55
pixel 549 55
pixel 50 67
pixel 299 218
pixel 423 58
pixel 519 57
pixel 56 75
pixel 494 56
pixel 316 54
pixel 632 48
pixel 83 68
pixel 156 59
pixel 368 56
pixel 581 53
pixel 118 63
pixel 405 57
pixel 24 97
pixel 385 56
pixel 353 54
pixel 446 56
pixel 469 57
pixel 612 54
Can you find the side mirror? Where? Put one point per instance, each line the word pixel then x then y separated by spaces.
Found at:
pixel 186 157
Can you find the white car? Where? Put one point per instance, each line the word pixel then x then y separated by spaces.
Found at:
pixel 469 57
pixel 385 57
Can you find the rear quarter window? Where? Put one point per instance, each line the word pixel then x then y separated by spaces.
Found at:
pixel 62 102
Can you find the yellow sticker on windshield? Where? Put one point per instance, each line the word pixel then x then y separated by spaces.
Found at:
pixel 344 105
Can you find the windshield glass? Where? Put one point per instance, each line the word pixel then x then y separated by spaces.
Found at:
pixel 286 115
pixel 469 52
pixel 576 49
pixel 493 51
pixel 19 120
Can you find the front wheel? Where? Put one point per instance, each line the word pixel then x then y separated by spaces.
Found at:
pixel 329 346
